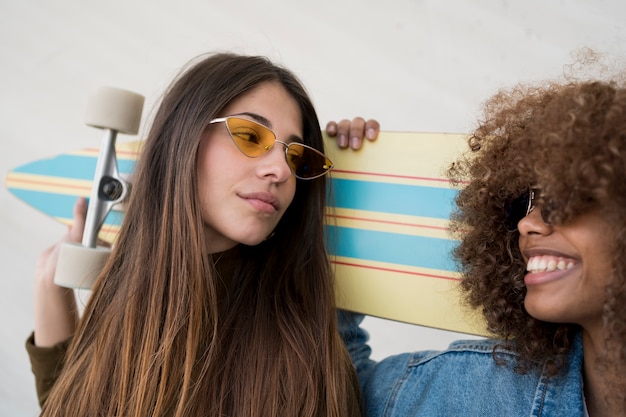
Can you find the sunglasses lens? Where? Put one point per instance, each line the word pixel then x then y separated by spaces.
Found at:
pixel 523 205
pixel 253 139
pixel 307 162
pixel 517 210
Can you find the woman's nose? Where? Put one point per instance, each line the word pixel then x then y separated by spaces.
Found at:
pixel 274 163
pixel 533 223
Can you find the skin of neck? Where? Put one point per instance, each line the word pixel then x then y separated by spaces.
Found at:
pixel 599 385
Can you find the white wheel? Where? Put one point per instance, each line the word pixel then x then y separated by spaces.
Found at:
pixel 78 266
pixel 115 109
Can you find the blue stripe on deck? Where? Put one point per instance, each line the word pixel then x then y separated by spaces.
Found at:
pixel 402 199
pixel 58 205
pixel 71 166
pixel 418 251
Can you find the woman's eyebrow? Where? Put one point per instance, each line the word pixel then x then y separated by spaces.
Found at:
pixel 265 122
pixel 256 117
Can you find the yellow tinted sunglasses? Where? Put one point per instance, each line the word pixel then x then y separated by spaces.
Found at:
pixel 253 139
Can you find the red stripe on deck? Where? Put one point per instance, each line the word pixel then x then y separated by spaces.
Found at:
pixel 423 226
pixel 378 174
pixel 401 271
pixel 408 177
pixel 49 184
pixel 127 154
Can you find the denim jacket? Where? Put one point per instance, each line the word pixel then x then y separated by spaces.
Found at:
pixel 463 380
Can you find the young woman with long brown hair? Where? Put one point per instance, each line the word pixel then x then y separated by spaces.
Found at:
pixel 218 298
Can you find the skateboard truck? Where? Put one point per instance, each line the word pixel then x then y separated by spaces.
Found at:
pixel 113 110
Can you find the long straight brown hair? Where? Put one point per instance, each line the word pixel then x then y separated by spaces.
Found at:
pixel 172 331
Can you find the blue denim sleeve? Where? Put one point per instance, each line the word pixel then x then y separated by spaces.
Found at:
pixel 355 338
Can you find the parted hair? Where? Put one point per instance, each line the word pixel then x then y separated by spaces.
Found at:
pixel 170 330
pixel 570 139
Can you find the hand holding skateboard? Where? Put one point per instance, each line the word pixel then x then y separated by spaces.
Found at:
pixel 56 313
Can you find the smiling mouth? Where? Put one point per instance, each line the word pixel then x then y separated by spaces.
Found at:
pixel 549 264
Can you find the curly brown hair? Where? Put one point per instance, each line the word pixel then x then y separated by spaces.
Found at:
pixel 569 138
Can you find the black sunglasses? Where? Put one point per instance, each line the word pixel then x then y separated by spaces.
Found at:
pixel 522 206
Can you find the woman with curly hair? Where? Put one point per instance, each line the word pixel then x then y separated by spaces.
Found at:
pixel 218 297
pixel 542 229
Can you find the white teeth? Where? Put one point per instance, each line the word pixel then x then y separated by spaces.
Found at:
pixel 548 264
pixel 542 264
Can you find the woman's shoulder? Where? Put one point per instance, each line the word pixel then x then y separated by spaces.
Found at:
pixel 470 377
pixel 478 351
pixel 466 354
pixel 478 345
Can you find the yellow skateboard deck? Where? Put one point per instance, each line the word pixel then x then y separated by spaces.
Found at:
pixel 388 230
pixel 386 221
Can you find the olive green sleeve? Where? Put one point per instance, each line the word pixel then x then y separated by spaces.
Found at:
pixel 46 364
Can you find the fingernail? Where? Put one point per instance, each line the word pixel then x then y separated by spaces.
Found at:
pixel 370 134
pixel 342 141
pixel 354 142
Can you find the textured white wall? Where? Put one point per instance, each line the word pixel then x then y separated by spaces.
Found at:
pixel 414 65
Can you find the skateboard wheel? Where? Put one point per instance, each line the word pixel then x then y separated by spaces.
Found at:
pixel 115 109
pixel 78 266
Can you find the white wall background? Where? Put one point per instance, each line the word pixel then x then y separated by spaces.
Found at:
pixel 412 64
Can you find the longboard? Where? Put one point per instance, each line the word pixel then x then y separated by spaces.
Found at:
pixel 386 221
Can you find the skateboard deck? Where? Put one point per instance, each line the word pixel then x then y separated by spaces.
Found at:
pixel 386 221
pixel 52 185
